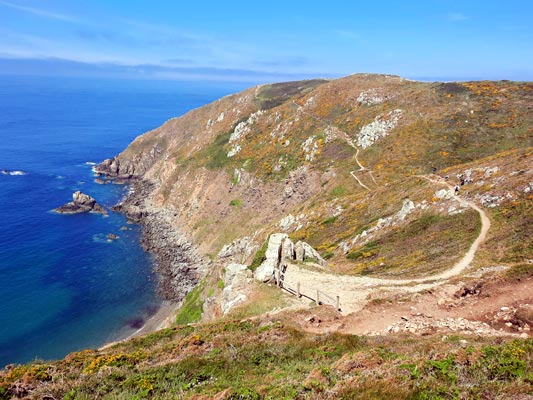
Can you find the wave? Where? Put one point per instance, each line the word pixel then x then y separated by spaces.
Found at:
pixel 6 172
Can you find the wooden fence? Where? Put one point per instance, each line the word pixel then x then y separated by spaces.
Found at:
pixel 316 295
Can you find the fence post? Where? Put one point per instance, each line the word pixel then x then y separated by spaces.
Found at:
pixel 279 277
pixel 317 297
pixel 338 303
pixel 298 290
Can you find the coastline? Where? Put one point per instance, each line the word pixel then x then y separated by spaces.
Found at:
pixel 177 264
pixel 162 319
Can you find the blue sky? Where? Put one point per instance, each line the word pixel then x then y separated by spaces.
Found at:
pixel 268 41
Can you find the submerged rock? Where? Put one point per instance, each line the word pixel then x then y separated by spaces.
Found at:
pixel 80 203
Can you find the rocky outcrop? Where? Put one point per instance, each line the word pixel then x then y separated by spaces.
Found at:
pixel 81 203
pixel 379 128
pixel 304 252
pixel 273 256
pixel 125 168
pixel 281 248
pixel 237 251
pixel 236 284
pixel 112 236
pixel 114 169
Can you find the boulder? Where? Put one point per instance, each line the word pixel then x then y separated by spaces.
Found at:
pixel 273 255
pixel 304 252
pixel 80 203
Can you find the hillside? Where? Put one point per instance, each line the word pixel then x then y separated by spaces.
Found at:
pixel 346 187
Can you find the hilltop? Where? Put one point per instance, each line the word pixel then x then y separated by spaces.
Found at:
pixel 343 186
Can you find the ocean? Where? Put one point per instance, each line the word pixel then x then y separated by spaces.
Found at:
pixel 63 286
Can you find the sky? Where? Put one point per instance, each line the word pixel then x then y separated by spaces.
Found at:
pixel 267 41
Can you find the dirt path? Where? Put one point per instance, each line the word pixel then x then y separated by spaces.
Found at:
pixel 353 290
pixel 348 140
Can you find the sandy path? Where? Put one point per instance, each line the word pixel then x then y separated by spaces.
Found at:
pixel 348 140
pixel 353 290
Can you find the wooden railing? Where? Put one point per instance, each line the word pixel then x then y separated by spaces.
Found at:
pixel 316 295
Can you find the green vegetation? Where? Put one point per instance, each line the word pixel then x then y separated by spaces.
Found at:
pixel 519 272
pixel 235 203
pixel 338 191
pixel 260 256
pixel 514 223
pixel 271 96
pixel 275 359
pixel 425 245
pixel 191 309
pixel 368 250
pixel 330 220
pixel 326 255
pixel 215 155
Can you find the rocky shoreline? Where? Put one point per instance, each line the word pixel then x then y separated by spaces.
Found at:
pixel 177 264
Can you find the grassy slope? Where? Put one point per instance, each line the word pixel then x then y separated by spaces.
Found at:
pixel 273 359
pixel 442 126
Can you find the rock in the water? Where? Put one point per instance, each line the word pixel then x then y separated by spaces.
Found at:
pixel 112 236
pixel 80 203
pixel 112 168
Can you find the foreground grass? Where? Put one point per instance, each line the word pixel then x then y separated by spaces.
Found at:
pixel 274 359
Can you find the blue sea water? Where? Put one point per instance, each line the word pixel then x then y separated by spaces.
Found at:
pixel 63 286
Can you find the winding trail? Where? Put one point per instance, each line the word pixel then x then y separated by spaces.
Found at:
pixel 348 140
pixel 353 290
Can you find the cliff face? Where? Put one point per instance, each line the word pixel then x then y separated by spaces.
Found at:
pixel 334 162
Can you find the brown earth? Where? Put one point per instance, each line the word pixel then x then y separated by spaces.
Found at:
pixel 493 301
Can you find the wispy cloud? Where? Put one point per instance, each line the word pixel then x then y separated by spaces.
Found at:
pixel 39 12
pixel 457 16
pixel 59 66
